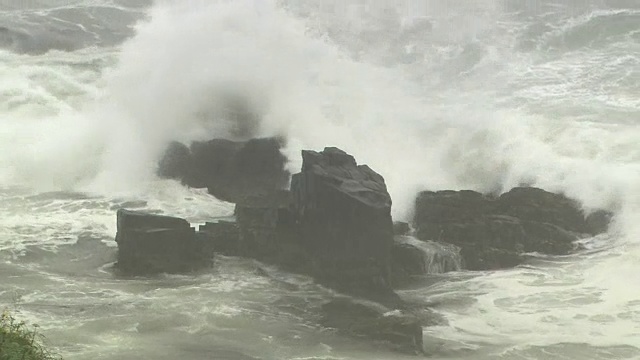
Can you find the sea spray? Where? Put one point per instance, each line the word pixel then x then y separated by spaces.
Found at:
pixel 191 63
pixel 445 96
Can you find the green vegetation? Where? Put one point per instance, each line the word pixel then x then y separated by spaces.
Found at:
pixel 18 341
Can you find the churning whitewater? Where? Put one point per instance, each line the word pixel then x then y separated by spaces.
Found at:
pixel 433 94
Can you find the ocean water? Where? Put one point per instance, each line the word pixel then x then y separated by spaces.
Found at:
pixel 433 94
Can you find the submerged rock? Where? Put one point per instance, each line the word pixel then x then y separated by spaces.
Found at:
pixel 496 232
pixel 150 244
pixel 230 170
pixel 343 212
pixel 401 332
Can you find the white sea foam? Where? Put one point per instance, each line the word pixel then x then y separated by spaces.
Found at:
pixel 172 75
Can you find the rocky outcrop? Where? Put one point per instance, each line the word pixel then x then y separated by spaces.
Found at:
pixel 495 232
pixel 343 214
pixel 537 205
pixel 334 225
pixel 268 232
pixel 149 244
pixel 401 332
pixel 222 236
pixel 230 170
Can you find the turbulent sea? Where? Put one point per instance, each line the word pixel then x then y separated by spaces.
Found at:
pixel 433 94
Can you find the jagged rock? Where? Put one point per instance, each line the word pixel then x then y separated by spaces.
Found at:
pixel 412 257
pixel 343 212
pixel 496 232
pixel 150 244
pixel 230 170
pixel 400 331
pixel 334 225
pixel 224 237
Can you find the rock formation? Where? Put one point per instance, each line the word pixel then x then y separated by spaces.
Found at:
pixel 150 244
pixel 268 232
pixel 343 213
pixel 335 223
pixel 495 232
pixel 222 236
pixel 230 170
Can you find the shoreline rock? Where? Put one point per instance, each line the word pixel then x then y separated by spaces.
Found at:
pixel 343 213
pixel 269 233
pixel 222 237
pixel 496 232
pixel 335 225
pixel 150 244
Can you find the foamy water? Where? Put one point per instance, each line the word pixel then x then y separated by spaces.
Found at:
pixel 433 95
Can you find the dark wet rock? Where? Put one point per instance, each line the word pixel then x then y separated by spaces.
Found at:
pixel 401 228
pixel 177 164
pixel 224 237
pixel 598 222
pixel 334 225
pixel 411 257
pixel 230 170
pixel 497 232
pixel 449 206
pixel 150 244
pixel 537 205
pixel 268 231
pixel 128 220
pixel 362 319
pixel 343 212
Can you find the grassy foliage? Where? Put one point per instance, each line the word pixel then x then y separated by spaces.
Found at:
pixel 18 341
